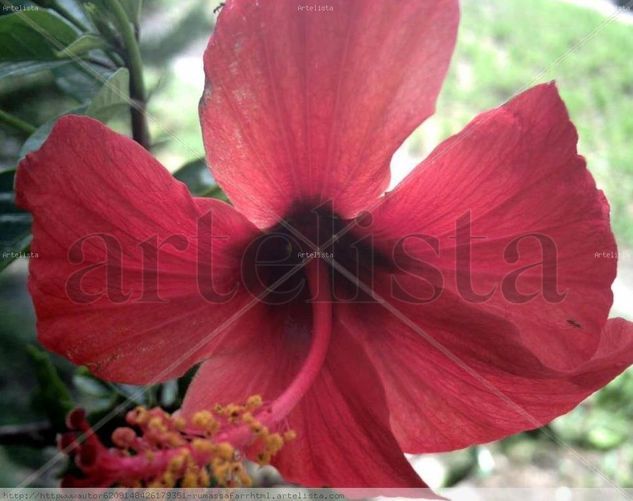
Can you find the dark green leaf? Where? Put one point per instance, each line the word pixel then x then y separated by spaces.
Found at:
pixel 29 67
pixel 15 225
pixel 33 35
pixel 197 176
pixel 52 396
pixel 112 97
pixel 101 17
pixel 36 139
pixel 184 382
pixel 78 84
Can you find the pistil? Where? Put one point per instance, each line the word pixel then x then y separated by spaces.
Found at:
pixel 274 413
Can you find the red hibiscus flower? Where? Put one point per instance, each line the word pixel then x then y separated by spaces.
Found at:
pixel 466 305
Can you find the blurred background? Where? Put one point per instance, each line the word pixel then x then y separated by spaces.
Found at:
pixel 504 46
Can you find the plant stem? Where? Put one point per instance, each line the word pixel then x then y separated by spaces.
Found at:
pixel 140 131
pixel 16 123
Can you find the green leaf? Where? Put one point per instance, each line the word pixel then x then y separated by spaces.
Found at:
pixel 82 45
pixel 28 67
pixel 52 396
pixel 36 139
pixel 197 176
pixel 15 225
pixel 78 84
pixel 101 17
pixel 113 96
pixel 33 35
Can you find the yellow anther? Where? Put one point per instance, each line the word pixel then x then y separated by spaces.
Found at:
pixel 177 462
pixel 190 479
pixel 211 427
pixel 156 423
pixel 263 458
pixel 259 430
pixel 221 470
pixel 245 479
pixel 203 446
pixel 232 408
pixel 254 401
pixel 195 459
pixel 274 442
pixel 225 451
pixel 203 478
pixel 174 439
pixel 202 418
pixel 168 480
pixel 180 423
pixel 256 428
pixel 138 416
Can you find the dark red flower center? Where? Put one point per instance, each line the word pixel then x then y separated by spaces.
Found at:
pixel 272 263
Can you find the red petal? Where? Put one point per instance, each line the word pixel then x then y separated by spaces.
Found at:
pixel 445 395
pixel 515 172
pixel 310 106
pixel 260 359
pixel 458 371
pixel 343 434
pixel 344 422
pixel 88 184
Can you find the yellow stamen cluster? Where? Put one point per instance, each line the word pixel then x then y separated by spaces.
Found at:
pixel 195 453
pixel 265 443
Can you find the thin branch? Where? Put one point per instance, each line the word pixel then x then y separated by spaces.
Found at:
pixel 36 435
pixel 16 123
pixel 140 130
